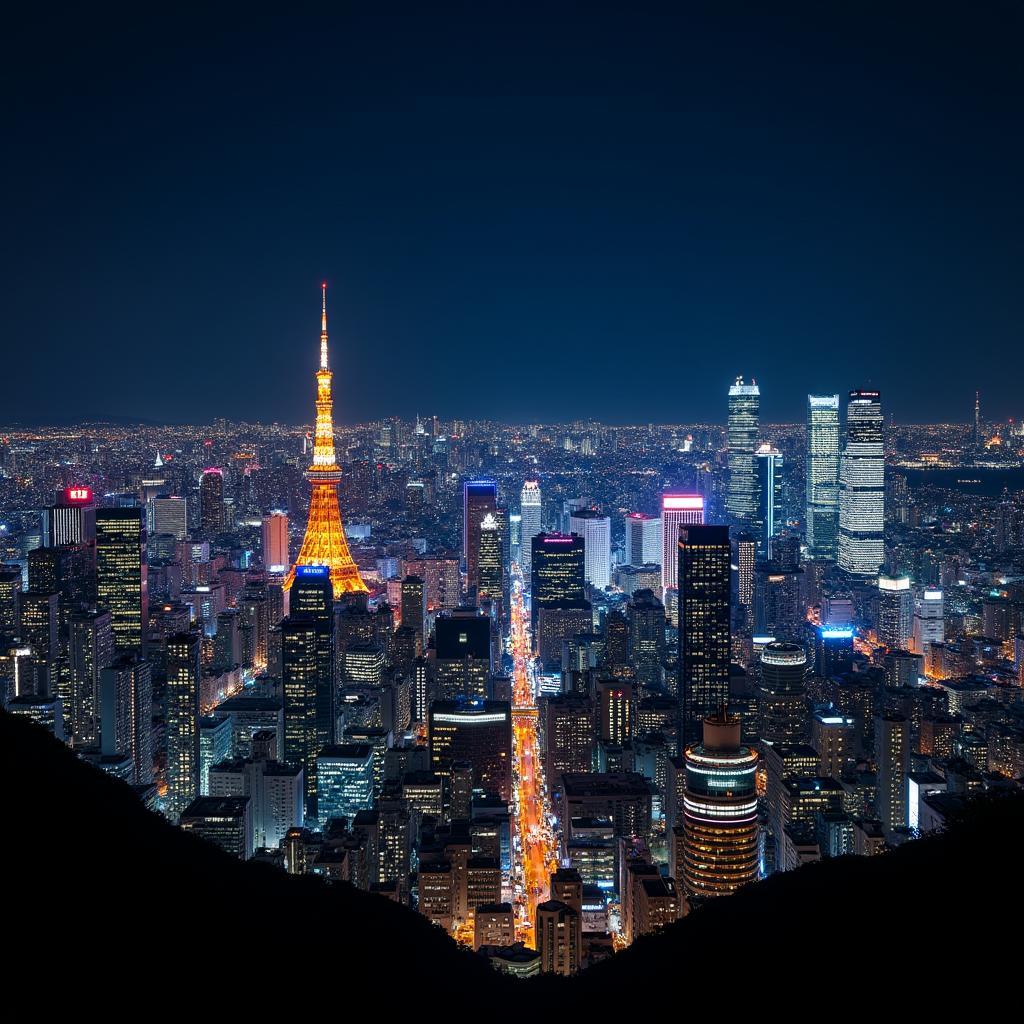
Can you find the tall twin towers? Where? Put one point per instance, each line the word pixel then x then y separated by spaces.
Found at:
pixel 325 543
pixel 845 482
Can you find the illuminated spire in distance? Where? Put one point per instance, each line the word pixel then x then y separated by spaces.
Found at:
pixel 323 328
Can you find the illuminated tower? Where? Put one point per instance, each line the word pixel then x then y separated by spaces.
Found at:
pixel 744 421
pixel 325 543
pixel 720 828
pixel 531 508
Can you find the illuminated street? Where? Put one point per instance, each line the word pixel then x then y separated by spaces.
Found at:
pixel 537 853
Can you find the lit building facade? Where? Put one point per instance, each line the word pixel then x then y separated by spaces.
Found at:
pixel 596 531
pixel 744 423
pixel 531 511
pixel 704 576
pixel 720 825
pixel 643 539
pixel 676 510
pixel 122 573
pixel 862 487
pixel 182 715
pixel 822 475
pixel 479 499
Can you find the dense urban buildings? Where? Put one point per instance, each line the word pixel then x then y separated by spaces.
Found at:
pixel 701 655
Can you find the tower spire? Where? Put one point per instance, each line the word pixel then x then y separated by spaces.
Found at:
pixel 323 328
pixel 324 543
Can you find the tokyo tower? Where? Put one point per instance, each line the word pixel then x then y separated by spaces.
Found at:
pixel 325 543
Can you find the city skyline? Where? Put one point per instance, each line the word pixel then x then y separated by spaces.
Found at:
pixel 630 576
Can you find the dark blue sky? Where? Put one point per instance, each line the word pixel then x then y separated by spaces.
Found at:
pixel 522 211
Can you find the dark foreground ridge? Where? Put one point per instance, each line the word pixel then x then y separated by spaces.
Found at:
pixel 113 892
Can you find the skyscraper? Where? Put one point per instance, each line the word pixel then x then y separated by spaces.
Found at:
pixel 275 542
pixel 676 510
pixel 929 616
pixel 744 421
pixel 490 567
pixel 212 515
pixel 781 702
pixel 822 475
pixel 72 520
pixel 307 665
pixel 182 716
pixel 479 499
pixel 704 626
pixel 596 531
pixel 720 831
pixel 892 752
pixel 768 471
pixel 895 611
pixel 643 540
pixel 122 577
pixel 325 542
pixel 126 700
pixel 414 608
pixel 531 509
pixel 90 650
pixel 862 487
pixel 170 516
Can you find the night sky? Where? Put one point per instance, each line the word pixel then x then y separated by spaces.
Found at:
pixel 521 215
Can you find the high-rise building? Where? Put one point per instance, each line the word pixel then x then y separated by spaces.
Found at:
pixel 704 577
pixel 569 735
pixel 462 650
pixel 720 828
pixel 10 591
pixel 531 510
pixel 479 499
pixel 895 611
pixel 615 712
pixel 90 649
pixel 215 741
pixel 929 620
pixel 170 516
pixel 646 624
pixel 643 539
pixel 558 572
pixel 744 423
pixel 746 562
pixel 476 731
pixel 225 821
pixel 782 699
pixel 325 542
pixel 414 608
pixel 212 510
pixel 558 937
pixel 344 780
pixel 182 722
pixel 307 665
pixel 275 791
pixel 72 520
pixel 862 487
pixel 676 510
pixel 126 702
pixel 768 472
pixel 275 542
pixel 490 564
pixel 833 736
pixel 892 752
pixel 596 531
pixel 122 574
pixel 822 475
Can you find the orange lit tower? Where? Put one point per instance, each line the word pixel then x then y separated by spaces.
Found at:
pixel 325 543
